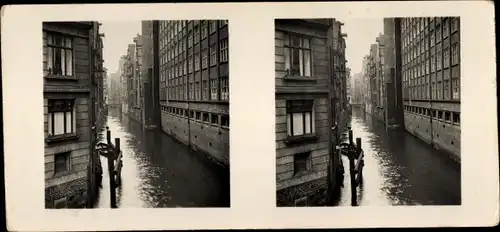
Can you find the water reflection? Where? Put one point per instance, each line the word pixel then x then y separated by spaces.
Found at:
pixel 400 169
pixel 160 172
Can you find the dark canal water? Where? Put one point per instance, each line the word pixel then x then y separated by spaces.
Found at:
pixel 400 169
pixel 160 172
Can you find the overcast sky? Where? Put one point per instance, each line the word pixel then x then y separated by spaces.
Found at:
pixel 118 34
pixel 361 33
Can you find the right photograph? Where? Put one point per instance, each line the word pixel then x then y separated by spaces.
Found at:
pixel 367 111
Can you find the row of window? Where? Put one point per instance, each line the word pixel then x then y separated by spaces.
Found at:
pixel 438 28
pixel 441 115
pixel 441 90
pixel 172 30
pixel 183 41
pixel 182 65
pixel 193 91
pixel 433 60
pixel 206 117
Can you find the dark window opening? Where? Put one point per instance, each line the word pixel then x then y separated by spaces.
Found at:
pixel 301 162
pixel 61 162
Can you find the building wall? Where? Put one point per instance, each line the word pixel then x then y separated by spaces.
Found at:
pixel 71 184
pixel 292 186
pixel 431 79
pixel 194 84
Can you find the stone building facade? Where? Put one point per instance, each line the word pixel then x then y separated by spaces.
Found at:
pixel 430 49
pixel 303 66
pixel 194 84
pixel 67 74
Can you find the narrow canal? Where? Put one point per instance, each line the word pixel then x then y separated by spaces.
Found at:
pixel 160 172
pixel 400 169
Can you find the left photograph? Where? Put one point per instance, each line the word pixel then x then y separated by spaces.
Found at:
pixel 136 114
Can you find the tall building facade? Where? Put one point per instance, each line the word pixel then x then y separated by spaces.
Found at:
pixel 122 67
pixel 304 64
pixel 194 84
pixel 367 93
pixel 148 77
pixel 69 72
pixel 135 78
pixel 430 54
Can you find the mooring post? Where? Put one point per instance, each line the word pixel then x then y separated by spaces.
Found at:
pixel 118 162
pixel 360 167
pixel 350 137
pixel 112 189
pixel 352 171
pixel 108 135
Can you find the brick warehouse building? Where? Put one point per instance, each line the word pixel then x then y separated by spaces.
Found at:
pixel 69 72
pixel 194 84
pixel 305 74
pixel 431 80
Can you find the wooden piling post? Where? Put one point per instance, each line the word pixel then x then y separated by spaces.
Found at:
pixel 117 157
pixel 108 135
pixel 352 171
pixel 350 137
pixel 361 161
pixel 112 189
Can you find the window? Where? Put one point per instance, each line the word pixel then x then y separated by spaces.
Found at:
pixel 433 90
pixel 204 58
pixel 224 88
pixel 433 40
pixel 198 115
pixel 59 56
pixel 213 55
pixel 205 89
pixel 214 119
pixel 190 64
pixel 439 90
pixel 454 54
pixel 190 39
pixel 297 56
pixel 213 89
pixel 224 53
pixel 426 66
pixel 197 91
pixel 445 27
pixel 205 117
pixel 191 91
pixel 300 117
pixel 438 33
pixel 224 120
pixel 456 88
pixel 446 57
pixel 447 116
pixel 456 118
pixel 438 58
pixel 184 66
pixel 223 23
pixel 454 24
pixel 204 29
pixel 213 26
pixel 196 34
pixel 62 162
pixel 61 117
pixel 197 62
pixel 301 163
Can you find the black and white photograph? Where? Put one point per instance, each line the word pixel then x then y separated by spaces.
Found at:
pixel 136 114
pixel 368 111
pixel 343 115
